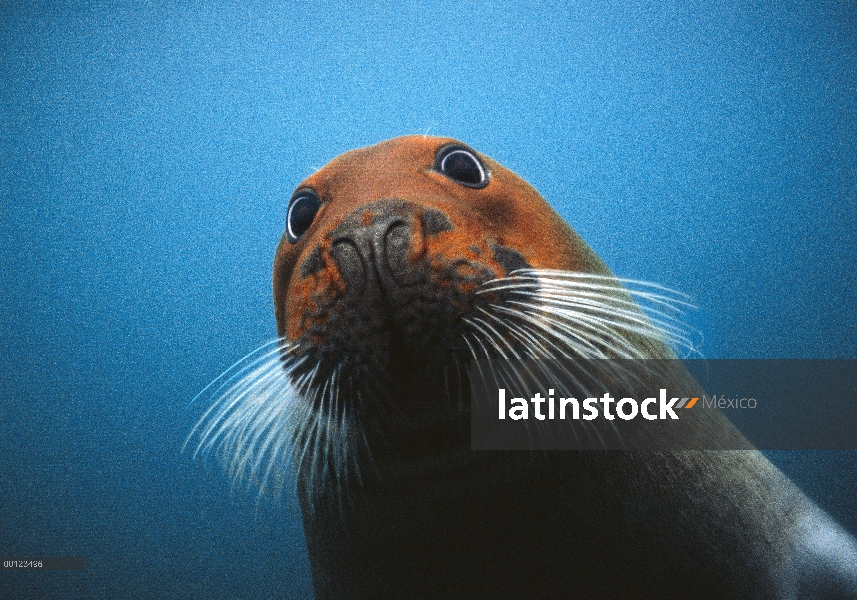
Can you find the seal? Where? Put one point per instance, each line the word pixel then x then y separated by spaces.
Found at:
pixel 399 264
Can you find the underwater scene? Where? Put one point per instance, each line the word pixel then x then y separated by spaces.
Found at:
pixel 149 152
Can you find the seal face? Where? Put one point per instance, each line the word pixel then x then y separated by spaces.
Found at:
pixel 378 271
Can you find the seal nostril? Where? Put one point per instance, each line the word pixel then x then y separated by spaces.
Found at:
pixel 397 246
pixel 351 266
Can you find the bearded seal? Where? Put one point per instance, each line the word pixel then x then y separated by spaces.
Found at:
pixel 385 286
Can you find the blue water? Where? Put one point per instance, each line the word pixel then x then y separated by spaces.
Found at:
pixel 148 153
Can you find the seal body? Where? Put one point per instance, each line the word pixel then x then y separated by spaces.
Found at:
pixel 375 284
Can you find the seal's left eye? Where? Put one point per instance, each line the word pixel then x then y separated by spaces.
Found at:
pixel 460 164
pixel 302 209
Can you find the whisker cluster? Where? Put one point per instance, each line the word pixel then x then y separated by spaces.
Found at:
pixel 269 412
pixel 562 314
pixel 543 316
pixel 277 408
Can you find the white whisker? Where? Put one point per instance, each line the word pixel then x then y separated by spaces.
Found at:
pixel 264 420
pixel 280 347
pixel 608 316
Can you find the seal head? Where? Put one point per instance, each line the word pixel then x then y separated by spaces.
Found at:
pixel 377 269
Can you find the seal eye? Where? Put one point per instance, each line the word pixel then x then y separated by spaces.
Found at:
pixel 302 209
pixel 461 165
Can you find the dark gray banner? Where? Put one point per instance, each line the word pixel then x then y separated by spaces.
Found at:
pixel 664 405
pixel 43 563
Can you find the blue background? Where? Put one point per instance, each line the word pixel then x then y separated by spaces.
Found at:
pixel 148 152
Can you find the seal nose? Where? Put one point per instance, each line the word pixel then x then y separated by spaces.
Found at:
pixel 377 250
pixel 381 241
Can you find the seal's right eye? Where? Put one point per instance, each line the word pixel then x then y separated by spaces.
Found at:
pixel 302 209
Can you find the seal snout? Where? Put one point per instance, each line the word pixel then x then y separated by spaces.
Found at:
pixel 379 244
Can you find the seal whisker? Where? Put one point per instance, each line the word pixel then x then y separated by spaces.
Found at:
pixel 309 455
pixel 477 359
pixel 475 322
pixel 336 440
pixel 607 320
pixel 607 306
pixel 511 373
pixel 548 275
pixel 283 345
pixel 370 458
pixel 549 283
pixel 318 430
pixel 601 299
pixel 630 311
pixel 347 452
pixel 534 323
pixel 347 456
pixel 322 443
pixel 532 346
pixel 601 303
pixel 247 419
pixel 340 444
pixel 224 413
pixel 488 330
pixel 535 329
pixel 226 400
pixel 605 335
pixel 256 431
pixel 569 335
pixel 325 439
pixel 601 329
pixel 470 346
pixel 269 449
pixel 533 339
pixel 481 345
pixel 546 369
pixel 631 286
pixel 516 374
pixel 339 412
pixel 560 277
pixel 586 317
